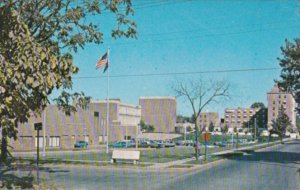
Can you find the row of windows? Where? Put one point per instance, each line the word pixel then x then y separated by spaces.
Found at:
pixel 279 102
pixel 50 142
pixel 284 106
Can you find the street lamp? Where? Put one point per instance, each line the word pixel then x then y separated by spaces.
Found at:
pixel 136 137
pixel 96 115
pixel 44 133
pixel 38 127
pixel 184 133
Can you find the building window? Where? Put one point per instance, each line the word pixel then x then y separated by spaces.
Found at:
pixel 54 141
pixel 127 137
pixel 86 138
pixel 41 142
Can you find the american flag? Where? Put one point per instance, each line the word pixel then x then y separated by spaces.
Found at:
pixel 102 61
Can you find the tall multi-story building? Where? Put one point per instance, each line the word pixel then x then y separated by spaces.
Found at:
pixel 159 112
pixel 62 131
pixel 277 99
pixel 237 117
pixel 206 118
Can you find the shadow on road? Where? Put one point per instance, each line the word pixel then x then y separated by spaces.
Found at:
pixel 267 156
pixel 53 170
pixel 22 176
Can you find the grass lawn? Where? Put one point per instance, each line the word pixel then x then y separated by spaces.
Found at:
pixel 147 155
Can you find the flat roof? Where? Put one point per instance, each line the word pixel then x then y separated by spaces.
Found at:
pixel 158 97
pixel 116 102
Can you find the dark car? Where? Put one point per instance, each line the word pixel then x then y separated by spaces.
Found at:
pixel 189 143
pixel 179 143
pixel 81 144
pixel 220 144
pixel 161 143
pixel 153 144
pixel 143 144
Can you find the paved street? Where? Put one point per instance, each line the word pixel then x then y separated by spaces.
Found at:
pixel 273 168
pixel 277 167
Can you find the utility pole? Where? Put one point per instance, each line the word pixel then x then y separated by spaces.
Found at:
pixel 232 139
pixel 136 136
pixel 184 133
pixel 96 120
pixel 126 136
pixel 254 129
pixel 248 126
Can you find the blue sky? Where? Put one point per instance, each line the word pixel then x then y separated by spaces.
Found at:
pixel 188 36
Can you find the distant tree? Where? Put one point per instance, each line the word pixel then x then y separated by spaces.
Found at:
pixel 211 127
pixel 199 94
pixel 235 129
pixel 281 123
pixel 258 105
pixel 145 127
pixel 290 72
pixel 192 119
pixel 150 128
pixel 189 129
pixel 291 129
pixel 182 119
pixel 224 129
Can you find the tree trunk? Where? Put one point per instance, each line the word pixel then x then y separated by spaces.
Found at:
pixel 3 146
pixel 197 145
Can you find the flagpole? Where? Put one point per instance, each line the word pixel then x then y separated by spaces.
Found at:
pixel 107 104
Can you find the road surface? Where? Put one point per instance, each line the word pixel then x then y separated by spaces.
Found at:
pixel 276 168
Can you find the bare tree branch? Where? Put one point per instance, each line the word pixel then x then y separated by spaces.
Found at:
pixel 202 93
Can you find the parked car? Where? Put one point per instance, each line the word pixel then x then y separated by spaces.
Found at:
pixel 208 145
pixel 189 143
pixel 185 143
pixel 160 143
pixel 143 144
pixel 179 143
pixel 122 144
pixel 220 144
pixel 169 143
pixel 81 144
pixel 152 144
